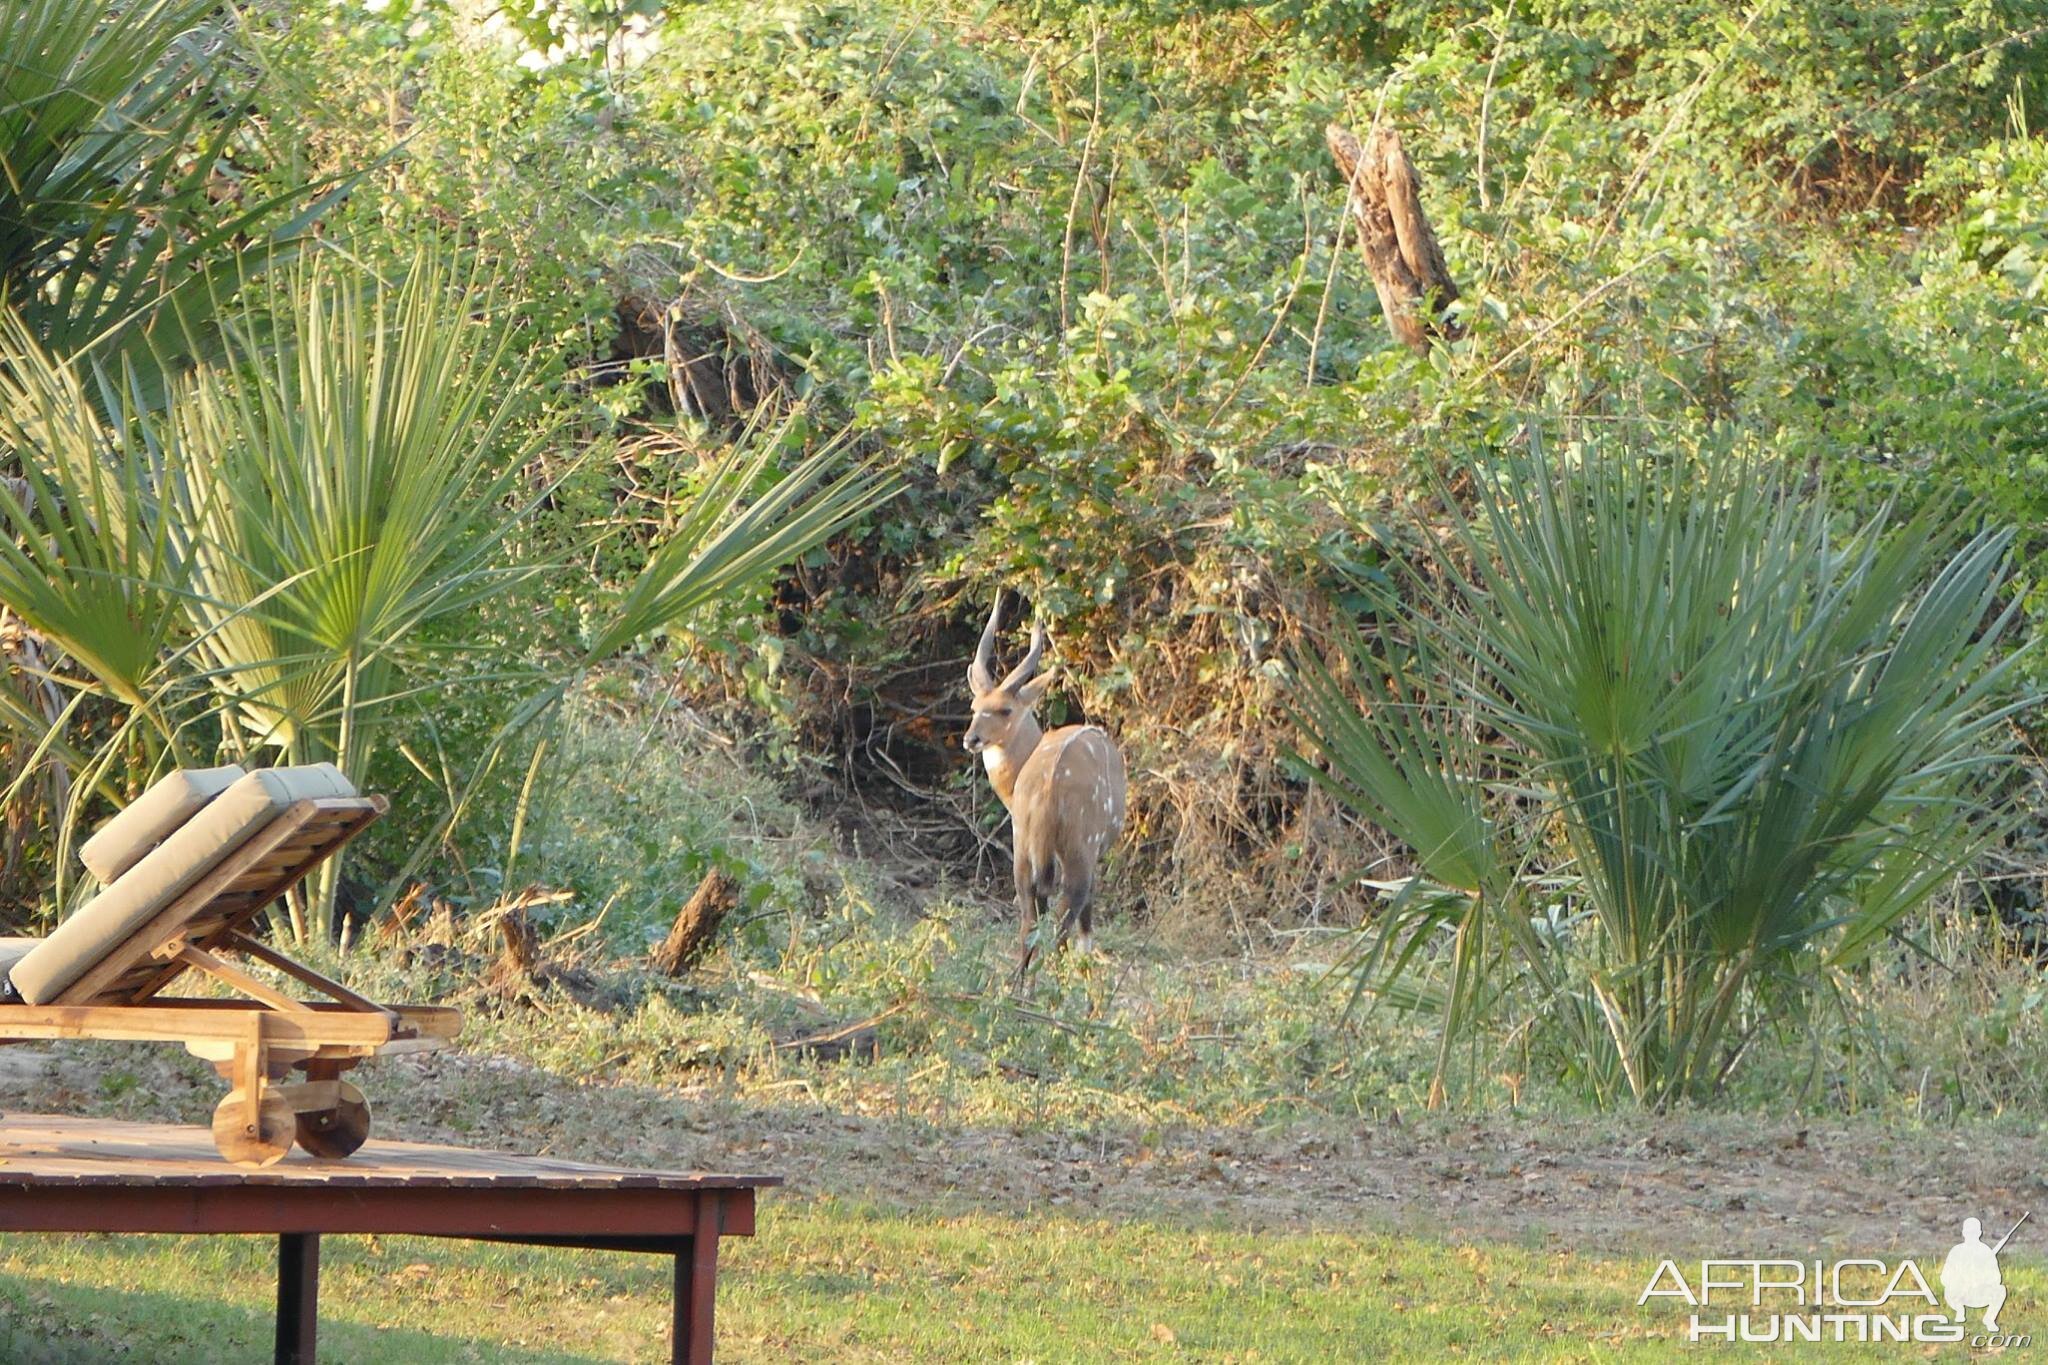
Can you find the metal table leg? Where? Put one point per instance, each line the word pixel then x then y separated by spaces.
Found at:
pixel 696 1274
pixel 298 1296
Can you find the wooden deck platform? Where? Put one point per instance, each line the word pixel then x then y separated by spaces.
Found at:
pixel 96 1175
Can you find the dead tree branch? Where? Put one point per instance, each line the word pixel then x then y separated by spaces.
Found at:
pixel 1401 251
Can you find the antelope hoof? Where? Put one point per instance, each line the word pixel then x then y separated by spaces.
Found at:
pixel 1085 945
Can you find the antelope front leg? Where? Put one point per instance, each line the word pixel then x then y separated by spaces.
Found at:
pixel 1027 920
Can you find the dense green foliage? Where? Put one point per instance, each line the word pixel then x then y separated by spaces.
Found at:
pixel 1083 277
pixel 1086 272
pixel 120 128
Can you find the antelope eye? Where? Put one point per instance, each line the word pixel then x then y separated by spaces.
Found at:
pixel 1005 712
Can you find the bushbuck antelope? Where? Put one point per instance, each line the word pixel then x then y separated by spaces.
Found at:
pixel 1064 790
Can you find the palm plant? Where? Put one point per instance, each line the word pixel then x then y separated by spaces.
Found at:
pixel 268 553
pixel 343 490
pixel 1736 745
pixel 117 128
pixel 89 563
pixel 745 519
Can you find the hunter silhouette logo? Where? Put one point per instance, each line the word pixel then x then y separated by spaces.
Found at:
pixel 1861 1299
pixel 1970 1278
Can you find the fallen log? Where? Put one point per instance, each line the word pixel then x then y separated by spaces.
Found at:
pixel 860 1039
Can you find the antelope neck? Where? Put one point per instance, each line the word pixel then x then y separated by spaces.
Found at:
pixel 1005 761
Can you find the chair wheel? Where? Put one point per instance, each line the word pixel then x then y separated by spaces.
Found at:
pixel 337 1132
pixel 260 1146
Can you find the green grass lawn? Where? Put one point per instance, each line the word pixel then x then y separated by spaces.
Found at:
pixel 835 1280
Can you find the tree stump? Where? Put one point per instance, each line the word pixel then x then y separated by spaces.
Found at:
pixel 691 934
pixel 519 963
pixel 1400 248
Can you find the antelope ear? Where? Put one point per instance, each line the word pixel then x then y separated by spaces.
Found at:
pixel 1030 692
pixel 978 679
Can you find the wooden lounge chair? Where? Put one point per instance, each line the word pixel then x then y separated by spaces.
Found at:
pixel 186 872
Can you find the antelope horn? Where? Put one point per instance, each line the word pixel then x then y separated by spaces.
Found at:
pixel 981 674
pixel 1026 670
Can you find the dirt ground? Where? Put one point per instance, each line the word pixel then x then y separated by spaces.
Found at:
pixel 1683 1184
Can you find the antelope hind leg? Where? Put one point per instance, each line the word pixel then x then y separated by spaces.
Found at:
pixel 1077 911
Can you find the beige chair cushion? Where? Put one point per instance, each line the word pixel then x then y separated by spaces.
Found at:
pixel 111 918
pixel 151 818
pixel 13 950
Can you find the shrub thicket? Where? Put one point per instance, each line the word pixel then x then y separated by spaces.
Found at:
pixel 1084 274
